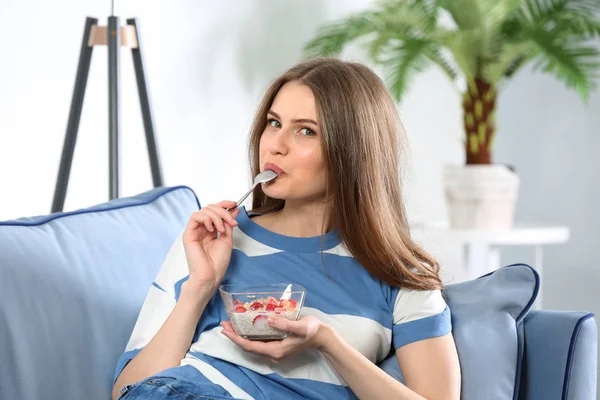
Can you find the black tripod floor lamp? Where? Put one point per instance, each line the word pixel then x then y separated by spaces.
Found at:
pixel 114 36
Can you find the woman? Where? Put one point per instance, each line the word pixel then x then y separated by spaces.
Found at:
pixel 332 221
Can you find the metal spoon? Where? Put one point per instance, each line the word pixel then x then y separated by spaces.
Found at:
pixel 263 177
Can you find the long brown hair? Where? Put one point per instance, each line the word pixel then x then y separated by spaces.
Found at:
pixel 362 138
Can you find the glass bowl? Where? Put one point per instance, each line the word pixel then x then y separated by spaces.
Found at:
pixel 249 307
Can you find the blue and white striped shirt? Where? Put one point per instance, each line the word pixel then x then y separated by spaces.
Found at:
pixel 372 316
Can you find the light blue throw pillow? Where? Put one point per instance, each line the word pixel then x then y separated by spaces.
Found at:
pixel 67 302
pixel 487 320
pixel 487 325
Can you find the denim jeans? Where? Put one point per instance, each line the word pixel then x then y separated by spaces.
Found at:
pixel 157 387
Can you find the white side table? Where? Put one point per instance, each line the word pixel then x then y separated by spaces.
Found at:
pixel 481 252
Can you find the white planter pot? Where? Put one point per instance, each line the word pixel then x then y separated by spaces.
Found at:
pixel 480 196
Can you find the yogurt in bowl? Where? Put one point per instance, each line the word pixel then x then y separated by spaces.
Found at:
pixel 250 306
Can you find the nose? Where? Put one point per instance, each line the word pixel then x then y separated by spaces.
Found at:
pixel 278 143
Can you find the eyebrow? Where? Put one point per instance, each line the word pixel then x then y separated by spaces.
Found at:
pixel 295 121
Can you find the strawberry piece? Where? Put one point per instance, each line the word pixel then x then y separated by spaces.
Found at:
pixel 271 307
pixel 240 309
pixel 259 318
pixel 236 303
pixel 284 303
pixel 293 304
pixel 256 306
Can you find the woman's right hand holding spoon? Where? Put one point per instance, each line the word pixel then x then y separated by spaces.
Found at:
pixel 208 243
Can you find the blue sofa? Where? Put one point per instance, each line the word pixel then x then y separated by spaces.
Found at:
pixel 72 284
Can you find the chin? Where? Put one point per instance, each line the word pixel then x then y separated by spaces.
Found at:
pixel 274 193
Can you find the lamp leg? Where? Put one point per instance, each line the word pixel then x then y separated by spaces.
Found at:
pixel 138 64
pixel 66 159
pixel 114 45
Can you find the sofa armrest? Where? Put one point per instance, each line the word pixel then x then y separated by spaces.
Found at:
pixel 561 359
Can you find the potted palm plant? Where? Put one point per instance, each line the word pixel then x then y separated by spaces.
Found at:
pixel 479 45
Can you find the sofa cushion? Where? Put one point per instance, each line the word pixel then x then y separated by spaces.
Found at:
pixel 67 305
pixel 487 325
pixel 487 315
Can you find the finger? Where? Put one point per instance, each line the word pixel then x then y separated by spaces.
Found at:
pixel 224 214
pixel 196 219
pixel 226 204
pixel 208 224
pixel 227 234
pixel 228 329
pixel 284 324
pixel 192 221
pixel 216 220
pixel 237 339
pixel 227 326
pixel 201 219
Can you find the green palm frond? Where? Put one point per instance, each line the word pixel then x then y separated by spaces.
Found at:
pixel 428 53
pixel 422 12
pixel 380 45
pixel 332 39
pixel 514 65
pixel 404 61
pixel 547 10
pixel 578 17
pixel 397 27
pixel 463 46
pixel 492 24
pixel 578 25
pixel 434 54
pixel 574 63
pixel 478 41
pixel 508 61
pixel 467 14
pixel 390 20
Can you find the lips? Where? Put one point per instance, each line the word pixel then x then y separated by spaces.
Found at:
pixel 274 168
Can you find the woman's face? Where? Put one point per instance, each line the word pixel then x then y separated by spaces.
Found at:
pixel 291 146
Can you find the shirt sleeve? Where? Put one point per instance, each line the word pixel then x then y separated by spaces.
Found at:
pixel 158 304
pixel 419 315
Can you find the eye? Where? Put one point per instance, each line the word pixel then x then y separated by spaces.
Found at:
pixel 307 132
pixel 274 123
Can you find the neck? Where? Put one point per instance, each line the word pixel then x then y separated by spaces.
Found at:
pixel 297 219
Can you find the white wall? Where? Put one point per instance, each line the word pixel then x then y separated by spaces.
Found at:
pixel 207 64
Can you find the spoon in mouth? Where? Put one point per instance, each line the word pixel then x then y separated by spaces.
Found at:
pixel 263 177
